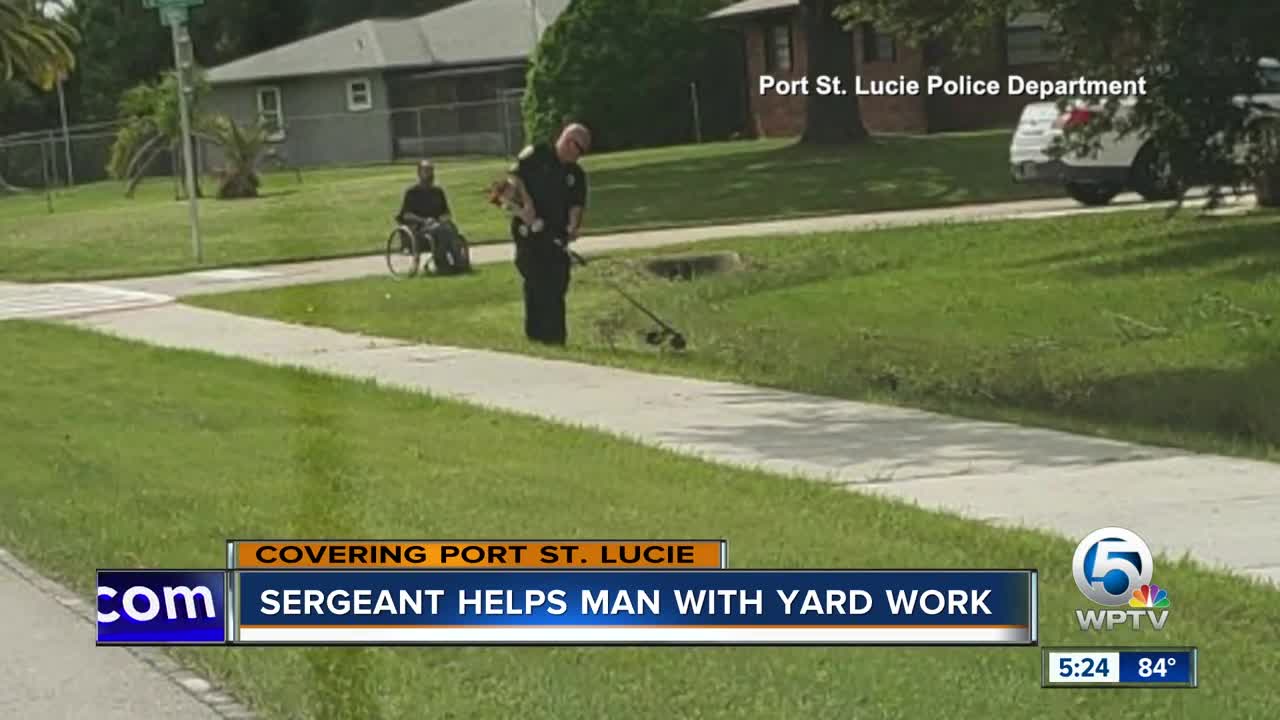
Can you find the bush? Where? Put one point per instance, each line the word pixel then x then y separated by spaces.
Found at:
pixel 623 67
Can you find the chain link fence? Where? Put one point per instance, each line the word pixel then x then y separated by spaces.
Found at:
pixel 51 158
pixel 57 158
pixel 60 158
pixel 487 127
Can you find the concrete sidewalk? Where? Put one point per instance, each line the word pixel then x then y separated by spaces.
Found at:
pixel 52 670
pixel 246 278
pixel 1223 511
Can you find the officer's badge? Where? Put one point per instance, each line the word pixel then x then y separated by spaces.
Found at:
pixel 569 179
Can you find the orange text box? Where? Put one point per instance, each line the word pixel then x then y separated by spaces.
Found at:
pixel 562 554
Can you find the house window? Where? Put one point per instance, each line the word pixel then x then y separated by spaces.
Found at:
pixel 877 47
pixel 359 95
pixel 1028 45
pixel 271 112
pixel 777 48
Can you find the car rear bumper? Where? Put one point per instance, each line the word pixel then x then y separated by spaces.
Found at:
pixel 1056 172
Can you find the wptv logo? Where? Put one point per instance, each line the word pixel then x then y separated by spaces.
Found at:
pixel 170 607
pixel 1112 568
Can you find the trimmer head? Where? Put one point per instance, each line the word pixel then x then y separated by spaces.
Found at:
pixel 658 337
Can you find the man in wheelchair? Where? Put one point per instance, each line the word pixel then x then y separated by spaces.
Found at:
pixel 425 209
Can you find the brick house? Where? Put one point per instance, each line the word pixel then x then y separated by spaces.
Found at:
pixel 774 44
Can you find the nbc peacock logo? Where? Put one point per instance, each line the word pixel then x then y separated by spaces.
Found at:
pixel 1149 596
pixel 1112 568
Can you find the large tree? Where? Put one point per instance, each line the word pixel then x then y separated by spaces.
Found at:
pixel 623 67
pixel 829 118
pixel 124 44
pixel 966 24
pixel 34 47
pixel 230 29
pixel 1199 59
pixel 328 14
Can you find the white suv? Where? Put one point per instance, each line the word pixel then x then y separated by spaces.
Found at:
pixel 1121 163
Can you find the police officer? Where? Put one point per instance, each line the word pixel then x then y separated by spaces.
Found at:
pixel 553 191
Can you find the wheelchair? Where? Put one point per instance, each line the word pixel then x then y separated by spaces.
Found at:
pixel 421 245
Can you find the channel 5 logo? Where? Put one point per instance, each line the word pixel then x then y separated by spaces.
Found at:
pixel 1112 567
pixel 161 607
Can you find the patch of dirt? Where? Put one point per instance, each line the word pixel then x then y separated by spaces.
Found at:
pixel 689 267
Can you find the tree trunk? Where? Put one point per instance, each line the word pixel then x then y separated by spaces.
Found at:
pixel 6 188
pixel 175 169
pixel 1267 187
pixel 1267 183
pixel 140 171
pixel 833 118
pixel 180 174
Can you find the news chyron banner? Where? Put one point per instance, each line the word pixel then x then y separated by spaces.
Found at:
pixel 472 554
pixel 552 592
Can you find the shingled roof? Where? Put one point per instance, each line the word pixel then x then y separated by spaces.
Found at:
pixel 478 32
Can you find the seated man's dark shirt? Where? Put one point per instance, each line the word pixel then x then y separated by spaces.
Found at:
pixel 554 186
pixel 425 202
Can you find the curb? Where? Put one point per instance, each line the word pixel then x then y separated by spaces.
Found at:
pixel 202 689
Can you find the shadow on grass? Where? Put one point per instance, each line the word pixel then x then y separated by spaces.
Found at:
pixel 269 194
pixel 884 173
pixel 1203 247
pixel 1236 405
pixel 1167 408
pixel 1252 249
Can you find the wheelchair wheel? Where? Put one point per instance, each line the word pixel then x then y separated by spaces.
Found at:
pixel 404 256
pixel 464 254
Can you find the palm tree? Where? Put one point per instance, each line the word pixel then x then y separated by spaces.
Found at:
pixel 34 47
pixel 153 124
pixel 241 149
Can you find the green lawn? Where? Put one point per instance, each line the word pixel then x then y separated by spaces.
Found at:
pixel 108 467
pixel 95 232
pixel 1120 325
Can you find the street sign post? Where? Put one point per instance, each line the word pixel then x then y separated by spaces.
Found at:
pixel 66 131
pixel 174 14
pixel 157 4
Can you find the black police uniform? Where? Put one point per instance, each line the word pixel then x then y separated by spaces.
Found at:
pixel 555 188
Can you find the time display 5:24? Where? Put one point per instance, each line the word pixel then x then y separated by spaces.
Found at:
pixel 1082 667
